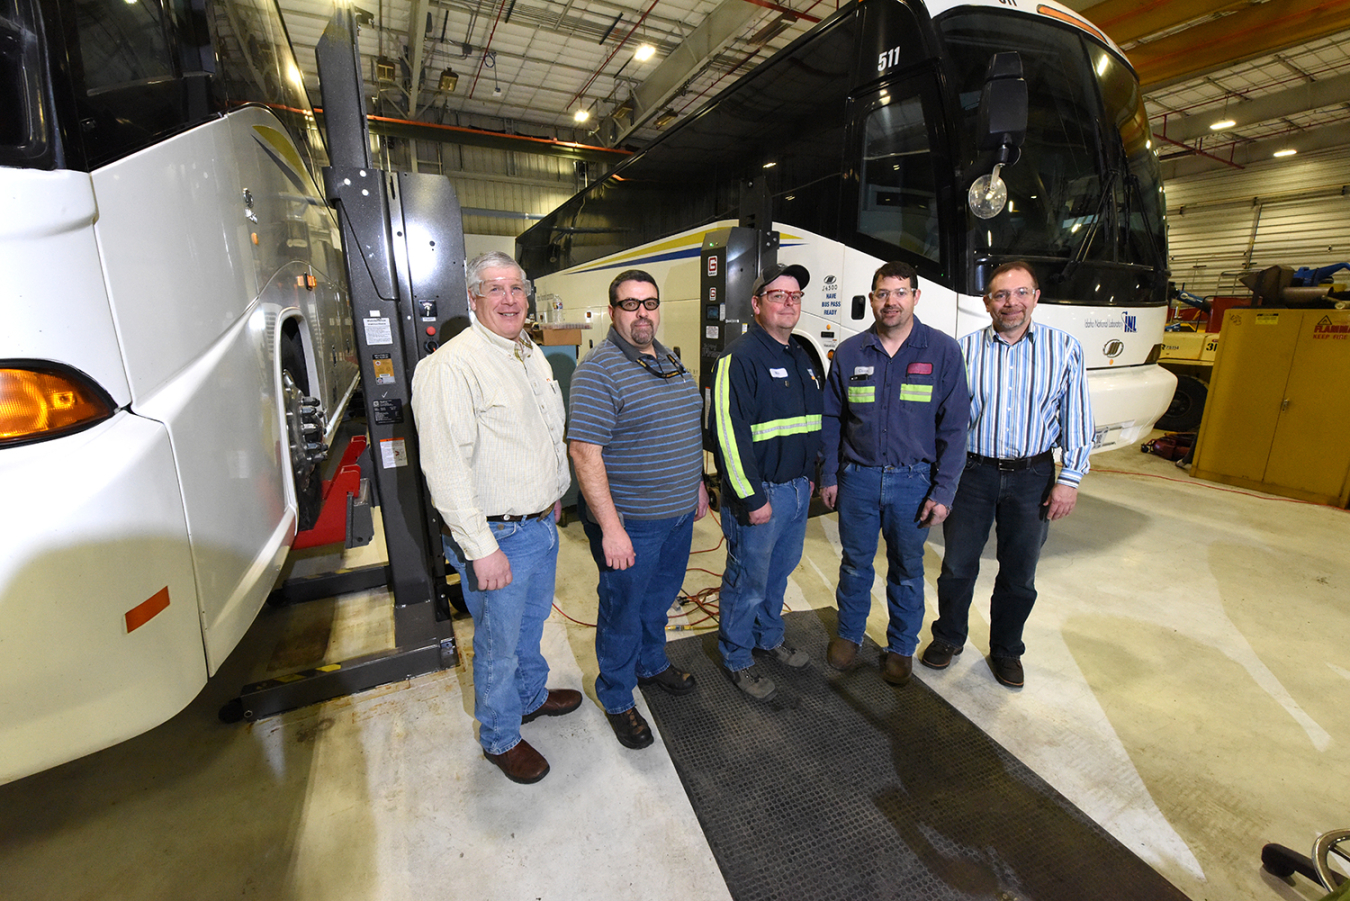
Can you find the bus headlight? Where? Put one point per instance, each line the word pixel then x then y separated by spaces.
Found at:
pixel 45 400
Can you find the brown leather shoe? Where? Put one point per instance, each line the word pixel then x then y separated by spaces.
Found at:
pixel 897 668
pixel 559 701
pixel 939 654
pixel 1007 670
pixel 841 654
pixel 521 764
pixel 671 681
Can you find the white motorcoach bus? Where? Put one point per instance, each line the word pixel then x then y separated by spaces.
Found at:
pixel 858 143
pixel 176 351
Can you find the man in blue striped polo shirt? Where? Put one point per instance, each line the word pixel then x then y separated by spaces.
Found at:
pixel 1029 393
pixel 896 407
pixel 766 419
pixel 636 440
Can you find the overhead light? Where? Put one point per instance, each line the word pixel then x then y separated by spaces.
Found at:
pixel 665 119
pixel 623 110
pixel 1288 151
pixel 644 53
pixel 448 80
pixel 770 165
pixel 496 90
pixel 581 115
pixel 384 69
pixel 1220 126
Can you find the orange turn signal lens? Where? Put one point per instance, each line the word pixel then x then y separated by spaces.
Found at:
pixel 40 403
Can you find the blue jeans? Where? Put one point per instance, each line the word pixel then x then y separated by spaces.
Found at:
pixel 1013 501
pixel 759 561
pixel 509 672
pixel 630 631
pixel 885 499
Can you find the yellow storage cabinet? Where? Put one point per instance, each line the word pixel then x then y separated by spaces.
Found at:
pixel 1278 414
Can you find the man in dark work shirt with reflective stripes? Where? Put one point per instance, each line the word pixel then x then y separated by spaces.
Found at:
pixel 766 421
pixel 896 408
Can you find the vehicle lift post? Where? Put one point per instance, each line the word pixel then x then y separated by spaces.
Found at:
pixel 404 242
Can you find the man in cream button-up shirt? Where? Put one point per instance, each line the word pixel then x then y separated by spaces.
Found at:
pixel 491 423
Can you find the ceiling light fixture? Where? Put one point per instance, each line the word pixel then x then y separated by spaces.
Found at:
pixel 1221 125
pixel 449 80
pixel 644 53
pixel 1288 151
pixel 665 118
pixel 581 115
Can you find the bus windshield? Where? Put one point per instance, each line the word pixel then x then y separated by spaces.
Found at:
pixel 1087 188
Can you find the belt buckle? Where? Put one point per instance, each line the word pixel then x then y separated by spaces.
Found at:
pixel 1007 465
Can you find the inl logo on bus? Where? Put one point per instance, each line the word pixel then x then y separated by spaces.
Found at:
pixel 1131 323
pixel 712 267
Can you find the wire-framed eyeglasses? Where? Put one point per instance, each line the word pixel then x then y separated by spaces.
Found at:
pixel 630 304
pixel 654 367
pixel 884 294
pixel 1019 293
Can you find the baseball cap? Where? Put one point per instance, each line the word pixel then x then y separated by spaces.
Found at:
pixel 778 270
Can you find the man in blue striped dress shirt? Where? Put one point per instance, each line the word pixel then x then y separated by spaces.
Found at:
pixel 636 440
pixel 1029 393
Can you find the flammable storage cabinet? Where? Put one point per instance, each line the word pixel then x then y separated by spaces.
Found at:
pixel 1278 416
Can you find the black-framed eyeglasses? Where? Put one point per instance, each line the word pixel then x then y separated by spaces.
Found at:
pixel 651 366
pixel 630 304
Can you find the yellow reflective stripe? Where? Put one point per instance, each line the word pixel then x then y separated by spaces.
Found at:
pixel 863 394
pixel 726 432
pixel 920 393
pixel 779 428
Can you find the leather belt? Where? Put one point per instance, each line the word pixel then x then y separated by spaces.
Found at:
pixel 1015 464
pixel 511 517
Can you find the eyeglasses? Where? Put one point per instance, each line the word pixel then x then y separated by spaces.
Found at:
pixel 497 291
pixel 884 295
pixel 656 370
pixel 1019 293
pixel 630 304
pixel 783 297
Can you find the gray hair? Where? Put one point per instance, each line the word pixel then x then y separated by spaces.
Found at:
pixel 493 259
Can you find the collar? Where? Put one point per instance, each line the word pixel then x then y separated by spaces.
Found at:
pixel 521 347
pixel 663 353
pixel 769 340
pixel 993 337
pixel 917 337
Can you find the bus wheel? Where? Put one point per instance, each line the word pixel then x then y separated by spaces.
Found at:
pixel 304 431
pixel 1187 407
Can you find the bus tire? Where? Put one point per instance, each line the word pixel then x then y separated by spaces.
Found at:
pixel 1187 407
pixel 304 431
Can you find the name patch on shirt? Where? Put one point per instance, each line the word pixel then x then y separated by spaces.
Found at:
pixel 919 369
pixel 778 373
pixel 862 370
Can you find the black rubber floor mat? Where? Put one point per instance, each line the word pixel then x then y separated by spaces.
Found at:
pixel 843 787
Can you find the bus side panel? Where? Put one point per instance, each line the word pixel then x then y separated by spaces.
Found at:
pixel 56 307
pixel 93 531
pixel 177 253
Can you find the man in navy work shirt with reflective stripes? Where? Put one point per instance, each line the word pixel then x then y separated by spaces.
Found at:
pixel 766 422
pixel 1029 392
pixel 894 432
pixel 636 439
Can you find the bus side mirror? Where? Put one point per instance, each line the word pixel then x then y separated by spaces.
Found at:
pixel 1002 128
pixel 1003 108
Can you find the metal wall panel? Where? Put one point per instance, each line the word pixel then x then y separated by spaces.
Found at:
pixel 1281 213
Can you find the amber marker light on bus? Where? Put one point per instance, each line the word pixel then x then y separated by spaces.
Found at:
pixel 41 400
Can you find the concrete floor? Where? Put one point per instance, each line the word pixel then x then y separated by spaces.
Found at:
pixel 1186 677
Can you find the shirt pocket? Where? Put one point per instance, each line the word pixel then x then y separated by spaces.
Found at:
pixel 862 391
pixel 916 389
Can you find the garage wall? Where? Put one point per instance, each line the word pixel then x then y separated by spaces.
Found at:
pixel 1293 213
pixel 501 192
